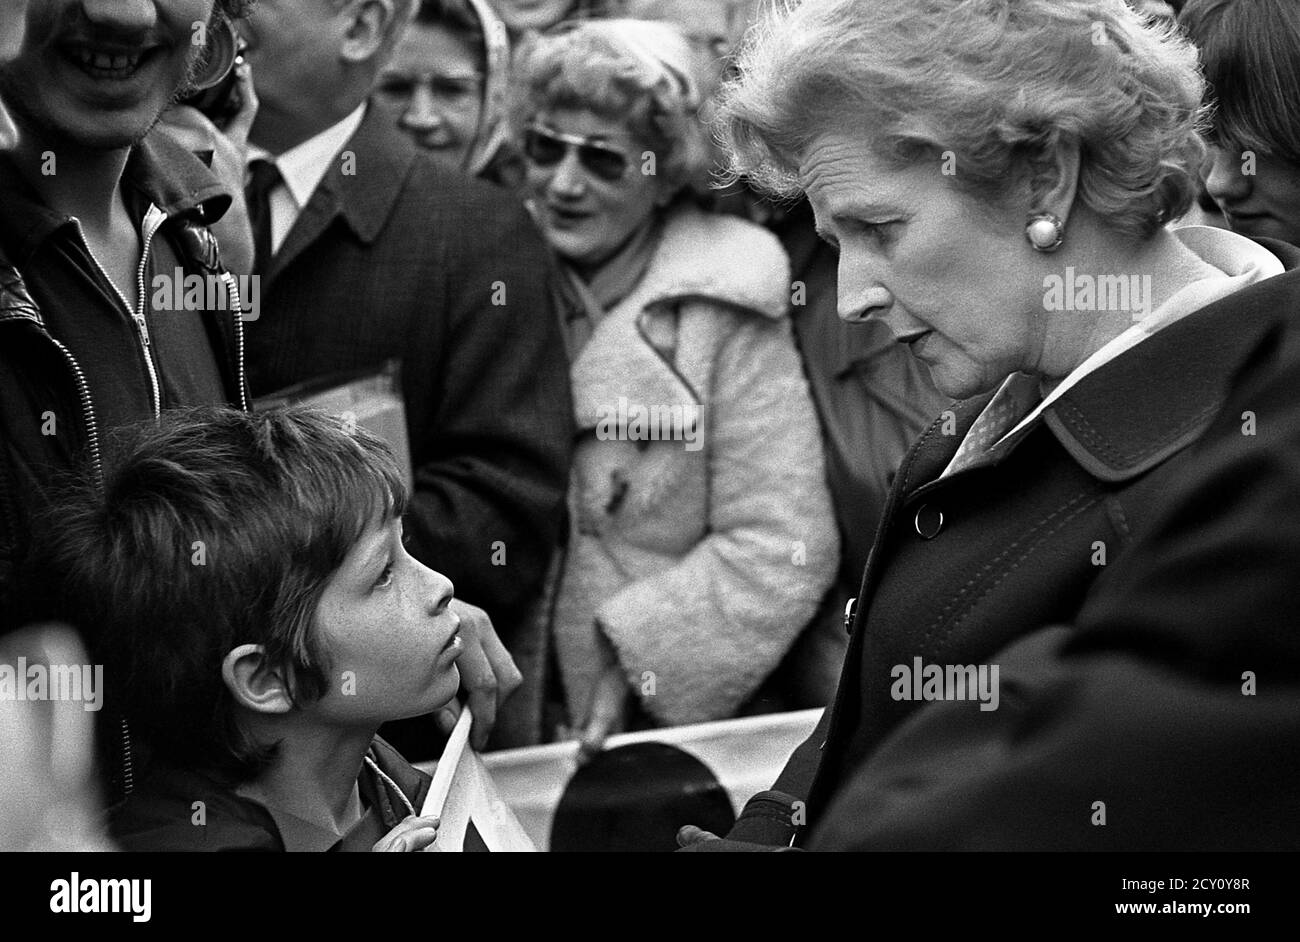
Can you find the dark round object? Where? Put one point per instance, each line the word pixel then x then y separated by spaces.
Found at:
pixel 635 798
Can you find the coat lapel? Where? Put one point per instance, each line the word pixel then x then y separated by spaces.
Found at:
pixel 937 444
pixel 740 270
pixel 307 228
pixel 362 190
pixel 619 362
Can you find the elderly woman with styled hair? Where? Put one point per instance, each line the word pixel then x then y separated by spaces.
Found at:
pixel 998 176
pixel 703 538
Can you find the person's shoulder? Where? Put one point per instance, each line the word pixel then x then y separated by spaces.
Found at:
pixel 176 809
pixel 723 237
pixel 1230 330
pixel 456 214
pixel 1287 254
pixel 721 258
pixel 458 193
pixel 1272 362
pixel 471 220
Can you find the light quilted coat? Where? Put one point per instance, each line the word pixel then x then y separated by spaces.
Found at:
pixel 702 565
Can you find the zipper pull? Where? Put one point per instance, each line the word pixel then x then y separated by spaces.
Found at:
pixel 144 330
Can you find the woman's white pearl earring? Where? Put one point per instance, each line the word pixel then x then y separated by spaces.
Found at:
pixel 1045 232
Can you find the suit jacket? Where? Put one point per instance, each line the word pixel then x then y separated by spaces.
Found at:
pixel 395 257
pixel 966 565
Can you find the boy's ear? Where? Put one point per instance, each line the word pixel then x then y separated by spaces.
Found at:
pixel 253 682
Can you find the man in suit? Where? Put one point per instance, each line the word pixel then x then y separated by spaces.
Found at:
pixel 369 251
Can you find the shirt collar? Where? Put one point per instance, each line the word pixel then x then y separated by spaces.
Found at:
pixel 382 809
pixel 304 165
pixel 302 836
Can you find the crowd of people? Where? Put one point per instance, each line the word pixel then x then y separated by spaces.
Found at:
pixel 746 357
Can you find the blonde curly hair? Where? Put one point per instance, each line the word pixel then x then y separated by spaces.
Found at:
pixel 634 71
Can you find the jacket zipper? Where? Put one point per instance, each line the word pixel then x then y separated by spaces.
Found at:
pixel 97 466
pixel 236 305
pixel 88 411
pixel 153 220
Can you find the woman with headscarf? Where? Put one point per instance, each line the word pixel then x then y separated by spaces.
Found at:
pixel 447 81
pixel 703 537
pixel 997 176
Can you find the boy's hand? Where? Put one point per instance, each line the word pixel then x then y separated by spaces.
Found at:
pixel 488 674
pixel 414 833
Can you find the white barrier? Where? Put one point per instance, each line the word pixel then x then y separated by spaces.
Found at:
pixel 745 755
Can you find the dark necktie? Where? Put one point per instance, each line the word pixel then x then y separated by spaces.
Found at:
pixel 264 176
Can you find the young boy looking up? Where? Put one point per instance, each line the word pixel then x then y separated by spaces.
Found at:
pixel 259 618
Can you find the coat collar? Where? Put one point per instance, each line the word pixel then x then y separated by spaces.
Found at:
pixel 363 192
pixel 937 444
pixel 158 172
pixel 720 260
pixel 1159 397
pixel 16 301
pixel 176 180
pixel 1143 407
pixel 382 801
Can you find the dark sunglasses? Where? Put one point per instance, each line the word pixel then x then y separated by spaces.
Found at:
pixel 546 148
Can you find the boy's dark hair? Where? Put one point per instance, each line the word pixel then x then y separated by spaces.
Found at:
pixel 1250 53
pixel 217 528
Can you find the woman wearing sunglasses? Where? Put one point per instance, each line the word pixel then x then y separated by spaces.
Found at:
pixel 703 538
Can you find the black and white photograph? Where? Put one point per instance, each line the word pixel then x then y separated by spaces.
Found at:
pixel 648 427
